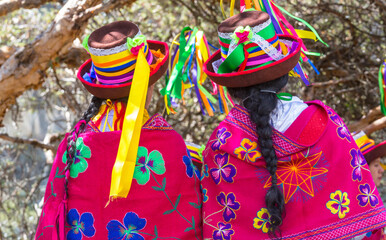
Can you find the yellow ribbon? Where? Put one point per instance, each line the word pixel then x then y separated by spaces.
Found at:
pixel 305 34
pixel 123 170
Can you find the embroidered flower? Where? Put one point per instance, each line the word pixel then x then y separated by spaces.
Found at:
pixel 358 162
pixel 223 232
pixel 204 194
pixel 248 150
pixel 262 221
pixel 83 225
pixel 205 170
pixel 367 196
pixel 224 170
pixel 230 205
pixel 190 166
pixel 79 164
pixel 145 163
pixel 341 130
pixel 221 136
pixel 129 230
pixel 339 203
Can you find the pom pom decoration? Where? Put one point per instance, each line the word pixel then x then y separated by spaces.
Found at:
pixel 282 26
pixel 186 72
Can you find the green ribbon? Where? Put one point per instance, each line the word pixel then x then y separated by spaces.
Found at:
pixel 233 61
pixel 207 94
pixel 301 20
pixel 381 89
pixel 85 43
pixel 174 84
pixel 284 96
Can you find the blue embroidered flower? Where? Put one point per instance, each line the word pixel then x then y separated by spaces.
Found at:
pixel 221 137
pixel 342 130
pixel 83 225
pixel 225 169
pixel 204 194
pixel 205 170
pixel 230 205
pixel 190 166
pixel 130 229
pixel 358 162
pixel 223 232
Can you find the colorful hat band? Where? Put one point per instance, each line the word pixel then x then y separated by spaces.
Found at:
pixel 364 143
pixel 256 46
pixel 116 65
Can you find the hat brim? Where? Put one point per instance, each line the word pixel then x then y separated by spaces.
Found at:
pixel 122 90
pixel 376 152
pixel 255 76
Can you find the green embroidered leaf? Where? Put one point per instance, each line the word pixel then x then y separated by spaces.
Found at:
pixel 195 205
pixel 177 201
pixel 163 183
pixel 193 222
pixel 56 174
pixel 169 211
pixel 155 233
pixel 188 229
pixel 157 188
pixel 52 189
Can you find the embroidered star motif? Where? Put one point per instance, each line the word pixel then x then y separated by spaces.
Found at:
pixel 297 173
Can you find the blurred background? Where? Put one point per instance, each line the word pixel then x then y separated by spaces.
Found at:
pixel 41 99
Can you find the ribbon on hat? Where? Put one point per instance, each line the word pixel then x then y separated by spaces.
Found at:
pixel 382 86
pixel 237 55
pixel 123 170
pixel 282 26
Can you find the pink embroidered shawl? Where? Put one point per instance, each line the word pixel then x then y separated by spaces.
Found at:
pixel 327 186
pixel 164 201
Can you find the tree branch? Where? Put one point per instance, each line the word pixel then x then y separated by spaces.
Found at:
pixel 375 126
pixel 367 120
pixel 25 68
pixel 7 6
pixel 32 142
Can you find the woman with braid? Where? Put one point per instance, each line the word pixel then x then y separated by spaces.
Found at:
pixel 120 174
pixel 277 167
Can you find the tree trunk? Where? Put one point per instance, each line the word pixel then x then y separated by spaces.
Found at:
pixel 7 6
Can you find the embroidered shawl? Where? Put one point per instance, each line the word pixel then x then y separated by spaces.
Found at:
pixel 164 202
pixel 327 186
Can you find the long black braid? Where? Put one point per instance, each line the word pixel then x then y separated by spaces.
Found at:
pixel 92 110
pixel 260 105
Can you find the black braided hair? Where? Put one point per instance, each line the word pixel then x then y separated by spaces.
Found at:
pixel 260 105
pixel 92 110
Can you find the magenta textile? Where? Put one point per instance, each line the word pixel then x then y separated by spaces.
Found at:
pixel 164 201
pixel 327 186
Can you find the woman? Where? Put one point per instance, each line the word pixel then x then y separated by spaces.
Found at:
pixel 115 176
pixel 279 167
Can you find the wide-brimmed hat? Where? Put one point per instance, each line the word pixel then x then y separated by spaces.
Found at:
pixel 251 51
pixel 113 49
